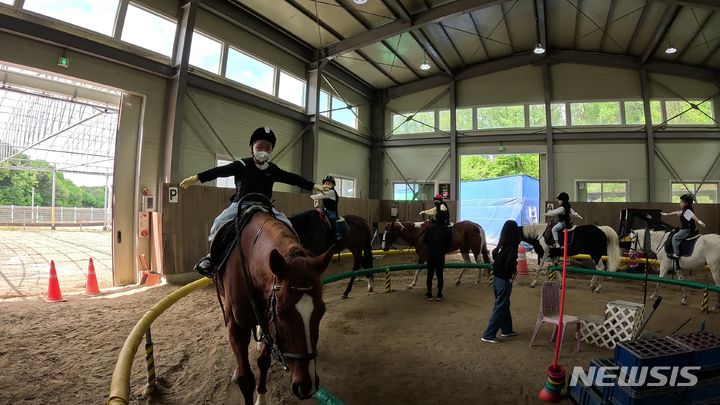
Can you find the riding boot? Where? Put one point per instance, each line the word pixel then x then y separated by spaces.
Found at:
pixel 205 266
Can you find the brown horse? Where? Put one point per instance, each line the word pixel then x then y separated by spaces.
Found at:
pixel 315 236
pixel 467 236
pixel 270 280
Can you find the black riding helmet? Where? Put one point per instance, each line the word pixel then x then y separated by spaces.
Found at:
pixel 263 133
pixel 688 198
pixel 329 178
pixel 563 197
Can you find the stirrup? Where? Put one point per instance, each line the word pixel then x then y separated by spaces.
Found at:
pixel 205 267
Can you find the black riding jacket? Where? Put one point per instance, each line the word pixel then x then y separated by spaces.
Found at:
pixel 250 179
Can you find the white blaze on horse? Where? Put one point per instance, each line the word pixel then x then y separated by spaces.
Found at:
pixel 706 252
pixel 596 241
pixel 467 236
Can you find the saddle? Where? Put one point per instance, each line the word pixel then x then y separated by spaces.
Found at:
pixel 687 246
pixel 341 226
pixel 228 235
pixel 550 241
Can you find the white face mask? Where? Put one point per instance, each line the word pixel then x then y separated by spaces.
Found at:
pixel 262 156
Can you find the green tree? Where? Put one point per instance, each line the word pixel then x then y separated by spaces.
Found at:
pixel 490 166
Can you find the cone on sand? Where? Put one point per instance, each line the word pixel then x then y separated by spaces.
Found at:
pixel 522 267
pixel 91 286
pixel 53 293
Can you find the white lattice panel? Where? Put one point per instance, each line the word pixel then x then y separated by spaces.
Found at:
pixel 622 320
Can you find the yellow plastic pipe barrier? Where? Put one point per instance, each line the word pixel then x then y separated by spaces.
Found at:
pixel 622 259
pixel 120 383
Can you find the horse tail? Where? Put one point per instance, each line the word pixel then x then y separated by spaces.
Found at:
pixel 613 248
pixel 367 253
pixel 483 247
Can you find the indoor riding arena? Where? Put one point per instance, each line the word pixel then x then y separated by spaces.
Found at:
pixel 360 202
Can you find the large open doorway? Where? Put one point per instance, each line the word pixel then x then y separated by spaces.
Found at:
pixel 497 187
pixel 58 139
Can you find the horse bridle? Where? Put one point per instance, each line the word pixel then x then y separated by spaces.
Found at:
pixel 264 321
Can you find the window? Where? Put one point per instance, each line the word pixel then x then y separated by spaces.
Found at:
pixel 342 114
pixel 249 71
pixel 421 122
pixel 510 116
pixel 464 119
pixel 588 191
pixel 708 193
pixel 595 113
pixel 206 52
pixel 345 186
pixel 292 89
pixel 635 112
pixel 224 182
pixel 691 117
pixel 324 104
pixel 10 2
pixel 406 192
pixel 148 30
pixel 537 115
pixel 98 16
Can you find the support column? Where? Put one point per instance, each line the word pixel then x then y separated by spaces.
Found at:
pixel 454 172
pixel 649 139
pixel 377 129
pixel 177 86
pixel 549 141
pixel 310 137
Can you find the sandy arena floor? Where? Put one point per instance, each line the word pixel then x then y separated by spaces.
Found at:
pixel 393 348
pixel 25 257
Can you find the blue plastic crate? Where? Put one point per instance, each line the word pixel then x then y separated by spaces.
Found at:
pixel 622 395
pixel 705 347
pixel 705 392
pixel 576 392
pixel 593 397
pixel 606 392
pixel 657 351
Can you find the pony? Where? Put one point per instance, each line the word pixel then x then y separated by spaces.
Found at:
pixel 272 282
pixel 593 240
pixel 707 251
pixel 315 236
pixel 467 236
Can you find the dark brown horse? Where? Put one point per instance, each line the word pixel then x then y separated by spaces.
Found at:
pixel 316 237
pixel 270 280
pixel 467 236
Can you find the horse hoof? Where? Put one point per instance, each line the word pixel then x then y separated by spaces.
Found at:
pixel 477 283
pixel 457 282
pixel 597 290
pixel 411 286
pixel 684 301
pixel 370 289
pixel 715 309
pixel 235 377
pixel 532 285
pixel 343 296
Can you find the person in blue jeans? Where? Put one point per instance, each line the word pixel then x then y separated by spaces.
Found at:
pixel 687 223
pixel 564 214
pixel 253 174
pixel 504 270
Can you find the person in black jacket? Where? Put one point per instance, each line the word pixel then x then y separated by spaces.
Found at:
pixel 437 238
pixel 504 270
pixel 254 174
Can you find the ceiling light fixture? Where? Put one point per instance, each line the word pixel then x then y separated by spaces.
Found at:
pixel 670 49
pixel 425 65
pixel 359 1
pixel 539 50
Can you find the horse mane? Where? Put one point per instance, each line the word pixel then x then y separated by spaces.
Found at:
pixel 533 231
pixel 303 219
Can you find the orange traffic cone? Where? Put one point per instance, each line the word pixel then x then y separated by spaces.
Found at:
pixel 91 287
pixel 522 267
pixel 54 294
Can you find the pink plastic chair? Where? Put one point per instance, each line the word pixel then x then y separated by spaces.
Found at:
pixel 549 312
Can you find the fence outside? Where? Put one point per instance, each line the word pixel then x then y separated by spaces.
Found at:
pixel 64 216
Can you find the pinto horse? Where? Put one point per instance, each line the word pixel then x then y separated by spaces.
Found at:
pixel 272 282
pixel 315 236
pixel 706 251
pixel 467 236
pixel 593 240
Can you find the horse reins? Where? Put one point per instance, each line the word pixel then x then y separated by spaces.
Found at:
pixel 263 321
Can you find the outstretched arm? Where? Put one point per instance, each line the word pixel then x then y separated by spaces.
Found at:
pixel 692 215
pixel 670 213
pixel 228 170
pixel 575 214
pixel 554 213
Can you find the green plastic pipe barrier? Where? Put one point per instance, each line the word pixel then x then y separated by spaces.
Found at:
pixel 639 277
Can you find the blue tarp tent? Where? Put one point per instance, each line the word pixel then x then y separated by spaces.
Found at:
pixel 491 202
